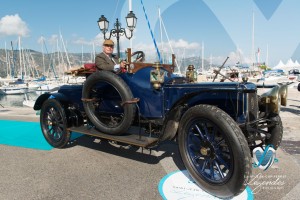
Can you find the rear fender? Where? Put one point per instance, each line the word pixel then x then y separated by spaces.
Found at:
pixel 41 99
pixel 74 116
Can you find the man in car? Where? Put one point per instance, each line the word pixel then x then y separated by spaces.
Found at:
pixel 106 60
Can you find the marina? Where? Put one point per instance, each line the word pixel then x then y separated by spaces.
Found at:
pixel 146 106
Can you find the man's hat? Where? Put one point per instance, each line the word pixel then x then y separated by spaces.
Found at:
pixel 108 42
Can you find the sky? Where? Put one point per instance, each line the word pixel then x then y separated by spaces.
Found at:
pixel 246 31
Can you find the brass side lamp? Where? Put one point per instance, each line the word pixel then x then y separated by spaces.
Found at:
pixel 156 76
pixel 191 75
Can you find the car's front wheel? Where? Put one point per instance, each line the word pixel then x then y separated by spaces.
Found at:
pixel 214 151
pixel 54 123
pixel 276 132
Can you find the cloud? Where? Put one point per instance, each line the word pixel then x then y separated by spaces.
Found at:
pixel 41 40
pixel 184 44
pixel 49 43
pixel 178 45
pixel 82 41
pixel 98 40
pixel 13 25
pixel 237 56
pixel 53 39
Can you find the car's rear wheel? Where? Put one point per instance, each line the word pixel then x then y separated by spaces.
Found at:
pixel 214 151
pixel 104 99
pixel 54 123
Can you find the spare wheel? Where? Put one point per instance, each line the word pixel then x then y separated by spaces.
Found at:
pixel 104 95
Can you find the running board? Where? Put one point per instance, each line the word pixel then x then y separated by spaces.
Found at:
pixel 131 138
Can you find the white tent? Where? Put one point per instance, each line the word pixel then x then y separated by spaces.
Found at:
pixel 280 65
pixel 290 64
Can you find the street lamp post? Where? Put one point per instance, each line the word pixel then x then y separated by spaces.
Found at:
pixel 118 31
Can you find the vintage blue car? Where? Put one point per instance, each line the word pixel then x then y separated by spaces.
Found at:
pixel 216 124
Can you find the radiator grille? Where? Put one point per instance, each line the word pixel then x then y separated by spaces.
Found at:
pixel 252 104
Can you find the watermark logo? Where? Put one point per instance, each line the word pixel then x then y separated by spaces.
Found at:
pixel 262 182
pixel 268 7
pixel 264 158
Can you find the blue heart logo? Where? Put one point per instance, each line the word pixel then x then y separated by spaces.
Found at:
pixel 267 7
pixel 264 158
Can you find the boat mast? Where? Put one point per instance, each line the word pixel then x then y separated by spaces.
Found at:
pixel 60 59
pixel 50 60
pixel 253 51
pixel 13 61
pixel 202 60
pixel 167 36
pixel 20 58
pixel 25 68
pixel 43 57
pixel 94 53
pixel 62 40
pixel 210 63
pixel 161 39
pixel 7 62
pixel 81 55
pixel 267 56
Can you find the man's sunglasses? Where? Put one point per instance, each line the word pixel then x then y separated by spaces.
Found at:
pixel 107 45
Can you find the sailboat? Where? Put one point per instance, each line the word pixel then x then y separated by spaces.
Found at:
pixel 27 101
pixel 16 87
pixel 8 90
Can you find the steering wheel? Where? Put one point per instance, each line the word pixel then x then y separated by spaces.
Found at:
pixel 139 56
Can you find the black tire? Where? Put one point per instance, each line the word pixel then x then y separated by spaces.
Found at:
pixel 276 132
pixel 118 124
pixel 53 123
pixel 214 151
pixel 299 87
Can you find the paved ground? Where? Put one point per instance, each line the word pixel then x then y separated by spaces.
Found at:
pixel 19 114
pixel 93 169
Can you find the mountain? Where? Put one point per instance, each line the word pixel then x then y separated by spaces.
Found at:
pixel 37 64
pixel 54 64
pixel 197 62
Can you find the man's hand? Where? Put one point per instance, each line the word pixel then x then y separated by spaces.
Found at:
pixel 123 63
pixel 120 68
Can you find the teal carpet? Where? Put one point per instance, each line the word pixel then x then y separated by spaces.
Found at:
pixel 23 134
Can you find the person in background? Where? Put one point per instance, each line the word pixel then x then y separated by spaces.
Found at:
pixel 106 60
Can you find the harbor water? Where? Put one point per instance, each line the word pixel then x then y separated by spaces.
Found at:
pixel 16 100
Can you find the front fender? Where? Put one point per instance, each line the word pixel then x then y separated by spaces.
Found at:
pixel 41 99
pixel 275 97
